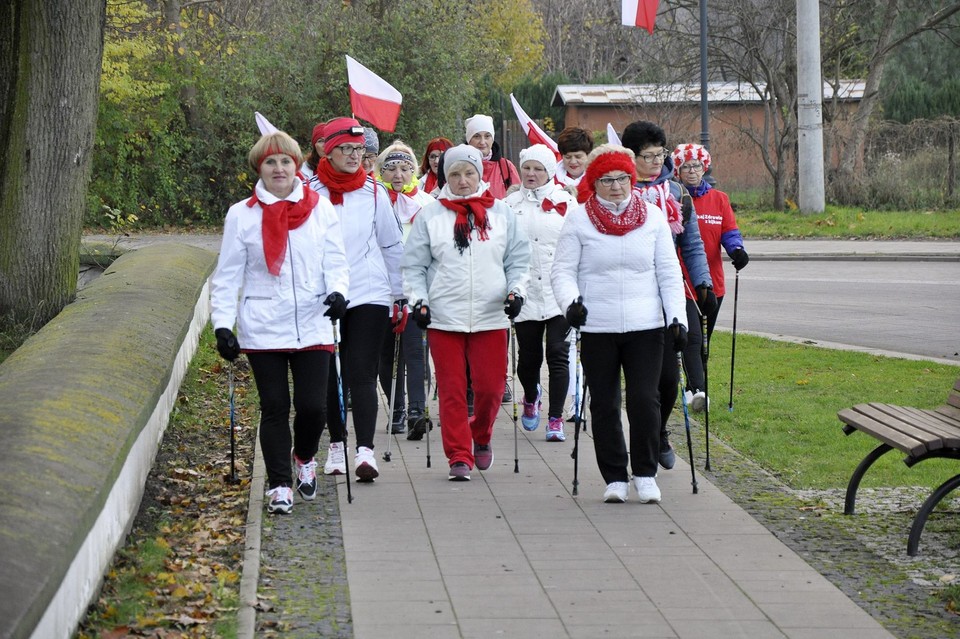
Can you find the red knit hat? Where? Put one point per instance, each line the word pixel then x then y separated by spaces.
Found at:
pixel 602 160
pixel 339 131
pixel 317 134
pixel 690 153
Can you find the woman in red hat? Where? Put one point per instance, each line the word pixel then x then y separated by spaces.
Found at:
pixel 429 165
pixel 616 257
pixel 374 244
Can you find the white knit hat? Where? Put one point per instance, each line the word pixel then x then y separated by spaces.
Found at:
pixel 478 123
pixel 543 154
pixel 462 153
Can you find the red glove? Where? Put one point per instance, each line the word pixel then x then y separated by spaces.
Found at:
pixel 399 316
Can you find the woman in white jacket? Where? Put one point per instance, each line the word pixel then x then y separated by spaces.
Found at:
pixel 374 243
pixel 282 255
pixel 465 263
pixel 541 205
pixel 616 257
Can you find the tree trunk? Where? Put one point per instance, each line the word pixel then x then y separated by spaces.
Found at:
pixel 50 55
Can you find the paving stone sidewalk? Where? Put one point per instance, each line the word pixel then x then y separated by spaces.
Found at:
pixel 515 555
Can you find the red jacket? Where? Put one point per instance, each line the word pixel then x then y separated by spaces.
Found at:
pixel 718 227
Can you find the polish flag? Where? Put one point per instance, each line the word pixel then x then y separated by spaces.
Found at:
pixel 535 134
pixel 612 137
pixel 372 98
pixel 639 13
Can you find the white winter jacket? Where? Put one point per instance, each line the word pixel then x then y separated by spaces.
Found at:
pixel 278 312
pixel 542 229
pixel 627 282
pixel 465 292
pixel 374 243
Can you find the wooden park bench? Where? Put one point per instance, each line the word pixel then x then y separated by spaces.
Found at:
pixel 920 434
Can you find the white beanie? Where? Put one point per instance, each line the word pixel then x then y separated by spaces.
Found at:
pixel 478 123
pixel 543 154
pixel 462 153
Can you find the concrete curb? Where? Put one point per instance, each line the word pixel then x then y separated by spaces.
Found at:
pixel 250 577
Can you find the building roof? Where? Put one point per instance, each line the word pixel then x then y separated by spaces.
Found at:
pixel 637 94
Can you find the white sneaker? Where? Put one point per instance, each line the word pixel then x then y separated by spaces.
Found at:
pixel 688 398
pixel 281 500
pixel 365 465
pixel 699 402
pixel 616 492
pixel 306 481
pixel 336 463
pixel 647 490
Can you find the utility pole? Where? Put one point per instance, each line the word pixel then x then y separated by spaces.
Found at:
pixel 809 108
pixel 704 98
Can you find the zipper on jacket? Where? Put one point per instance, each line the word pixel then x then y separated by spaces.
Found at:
pixel 293 283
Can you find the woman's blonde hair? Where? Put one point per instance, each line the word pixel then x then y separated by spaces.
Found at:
pixel 271 144
pixel 398 146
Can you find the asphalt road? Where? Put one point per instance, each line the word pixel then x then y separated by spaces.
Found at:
pixel 908 307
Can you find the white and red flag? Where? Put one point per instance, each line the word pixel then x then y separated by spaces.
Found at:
pixel 535 134
pixel 639 13
pixel 372 98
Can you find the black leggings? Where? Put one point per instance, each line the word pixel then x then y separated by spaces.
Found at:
pixel 410 367
pixel 530 346
pixel 637 354
pixel 309 371
pixel 361 337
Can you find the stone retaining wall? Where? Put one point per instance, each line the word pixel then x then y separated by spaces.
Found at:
pixel 83 407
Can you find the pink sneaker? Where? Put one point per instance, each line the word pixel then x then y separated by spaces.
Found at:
pixel 531 412
pixel 555 430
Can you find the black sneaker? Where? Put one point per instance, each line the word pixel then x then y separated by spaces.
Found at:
pixel 418 428
pixel 306 481
pixel 399 424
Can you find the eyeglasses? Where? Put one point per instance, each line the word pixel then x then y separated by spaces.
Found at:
pixel 434 156
pixel 351 149
pixel 622 180
pixel 370 157
pixel 650 158
pixel 691 168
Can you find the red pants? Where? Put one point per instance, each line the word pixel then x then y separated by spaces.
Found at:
pixel 486 353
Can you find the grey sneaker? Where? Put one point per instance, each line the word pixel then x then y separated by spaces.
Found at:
pixel 699 401
pixel 668 457
pixel 459 471
pixel 281 500
pixel 482 456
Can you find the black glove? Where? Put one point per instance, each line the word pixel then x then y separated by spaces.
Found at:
pixel 739 258
pixel 686 207
pixel 577 313
pixel 227 344
pixel 679 333
pixel 421 315
pixel 512 305
pixel 706 299
pixel 338 306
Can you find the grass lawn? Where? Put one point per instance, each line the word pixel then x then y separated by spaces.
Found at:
pixel 847 223
pixel 785 403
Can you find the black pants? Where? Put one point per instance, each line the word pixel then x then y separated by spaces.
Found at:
pixel 639 355
pixel 410 363
pixel 530 346
pixel 309 370
pixel 361 338
pixel 693 352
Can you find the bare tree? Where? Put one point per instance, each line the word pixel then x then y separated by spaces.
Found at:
pixel 50 54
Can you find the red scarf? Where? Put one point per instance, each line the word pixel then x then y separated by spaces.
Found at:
pixel 548 206
pixel 463 208
pixel 339 183
pixel 431 182
pixel 609 224
pixel 659 194
pixel 277 219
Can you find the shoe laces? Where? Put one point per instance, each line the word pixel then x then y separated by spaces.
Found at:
pixel 307 472
pixel 337 454
pixel 280 493
pixel 555 425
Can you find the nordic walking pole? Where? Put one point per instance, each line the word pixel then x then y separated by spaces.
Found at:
pixel 733 345
pixel 686 420
pixel 393 396
pixel 513 391
pixel 577 411
pixel 233 440
pixel 343 407
pixel 428 424
pixel 705 349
